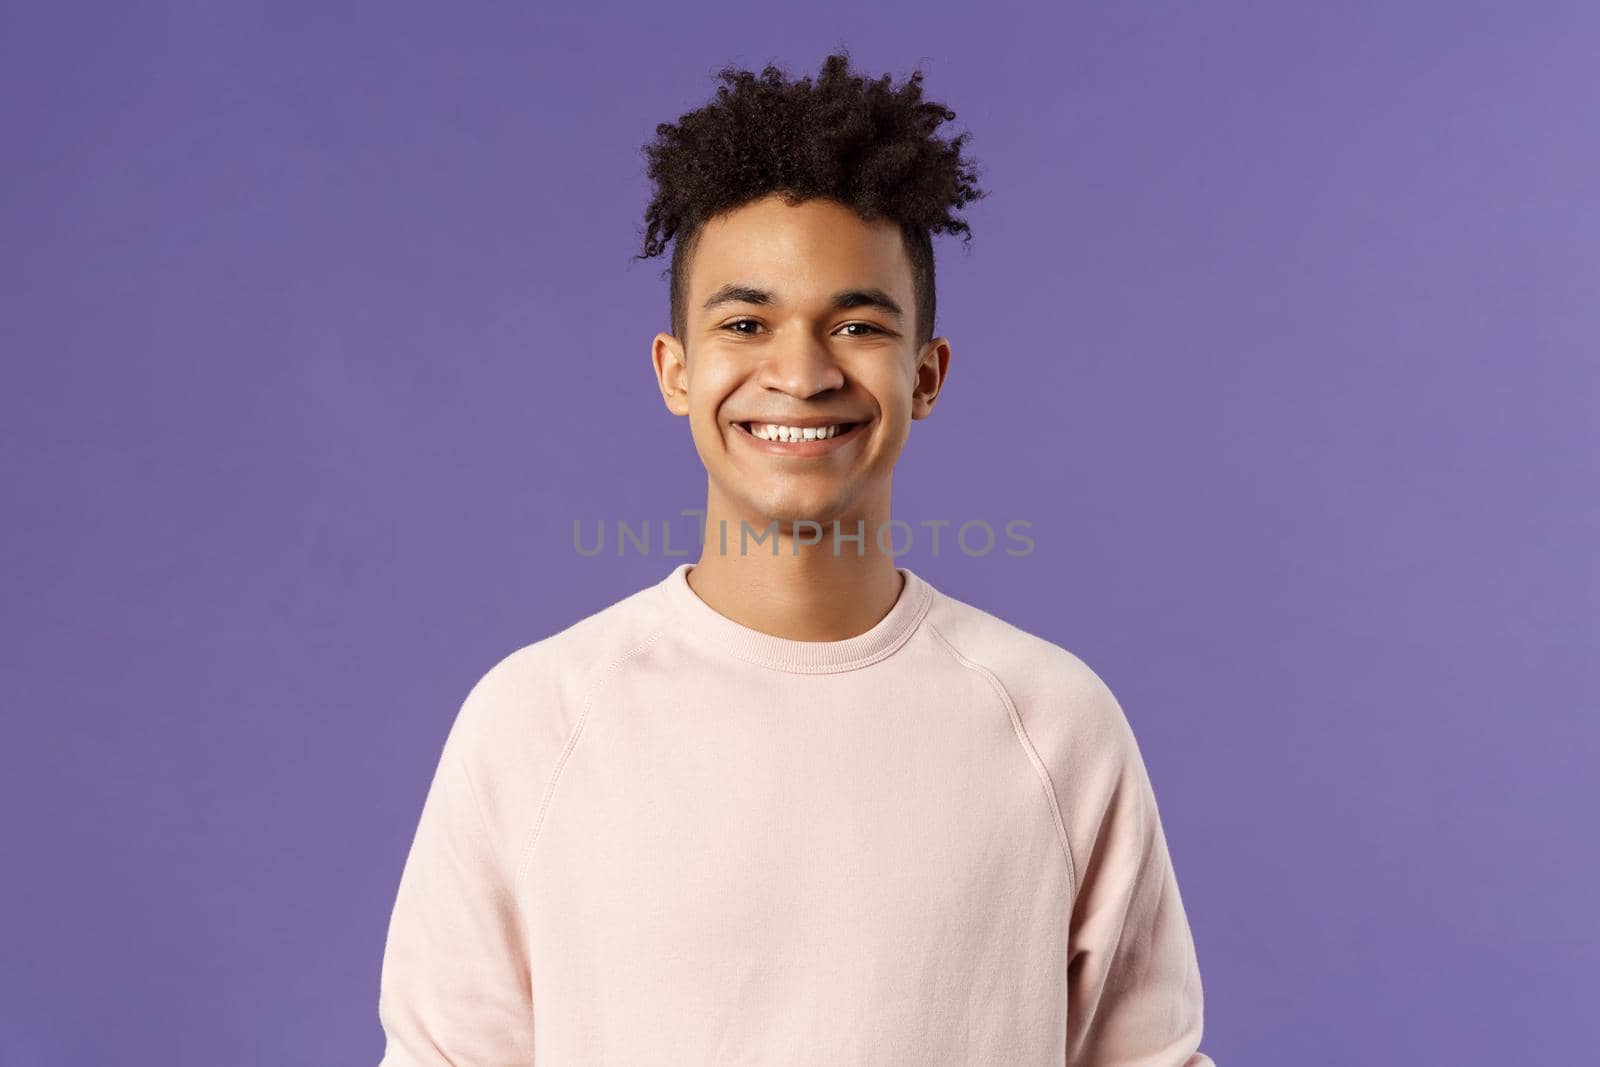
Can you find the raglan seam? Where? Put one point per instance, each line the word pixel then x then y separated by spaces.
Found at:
pixel 595 687
pixel 1026 742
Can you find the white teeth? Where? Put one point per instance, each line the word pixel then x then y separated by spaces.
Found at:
pixel 770 432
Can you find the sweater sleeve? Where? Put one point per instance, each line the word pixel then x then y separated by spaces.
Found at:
pixel 455 988
pixel 1134 993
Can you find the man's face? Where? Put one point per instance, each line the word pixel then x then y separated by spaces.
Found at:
pixel 782 326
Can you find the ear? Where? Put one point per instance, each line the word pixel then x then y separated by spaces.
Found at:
pixel 672 372
pixel 933 363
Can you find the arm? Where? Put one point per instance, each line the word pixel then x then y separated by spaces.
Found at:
pixel 455 988
pixel 1134 995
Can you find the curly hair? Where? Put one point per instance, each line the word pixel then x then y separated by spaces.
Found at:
pixel 860 142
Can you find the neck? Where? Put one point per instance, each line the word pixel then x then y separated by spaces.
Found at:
pixel 803 592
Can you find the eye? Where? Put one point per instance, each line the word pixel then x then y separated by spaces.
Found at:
pixel 734 327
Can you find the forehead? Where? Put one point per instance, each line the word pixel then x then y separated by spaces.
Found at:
pixel 801 252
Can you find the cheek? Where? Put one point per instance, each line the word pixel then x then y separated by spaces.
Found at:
pixel 706 418
pixel 710 390
pixel 893 393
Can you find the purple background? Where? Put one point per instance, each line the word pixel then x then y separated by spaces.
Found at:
pixel 1279 325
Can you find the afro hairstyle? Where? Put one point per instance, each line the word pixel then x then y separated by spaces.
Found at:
pixel 863 143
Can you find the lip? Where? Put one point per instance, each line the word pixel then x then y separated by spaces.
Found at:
pixel 809 420
pixel 802 449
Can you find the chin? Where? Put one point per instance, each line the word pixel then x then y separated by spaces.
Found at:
pixel 786 512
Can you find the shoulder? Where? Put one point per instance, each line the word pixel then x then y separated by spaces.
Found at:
pixel 1066 715
pixel 520 711
pixel 1064 705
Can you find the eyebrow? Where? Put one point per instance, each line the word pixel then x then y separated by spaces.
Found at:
pixel 735 293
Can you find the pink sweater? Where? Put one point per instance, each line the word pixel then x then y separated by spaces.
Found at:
pixel 662 837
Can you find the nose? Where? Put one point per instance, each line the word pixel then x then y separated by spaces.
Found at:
pixel 801 368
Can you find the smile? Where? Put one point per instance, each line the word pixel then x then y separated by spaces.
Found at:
pixel 799 440
pixel 771 432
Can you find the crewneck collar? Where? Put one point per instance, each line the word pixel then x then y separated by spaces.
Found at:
pixel 696 619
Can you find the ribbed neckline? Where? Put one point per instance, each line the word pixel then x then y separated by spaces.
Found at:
pixel 695 618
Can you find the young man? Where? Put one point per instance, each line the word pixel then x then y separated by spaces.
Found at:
pixel 792 804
